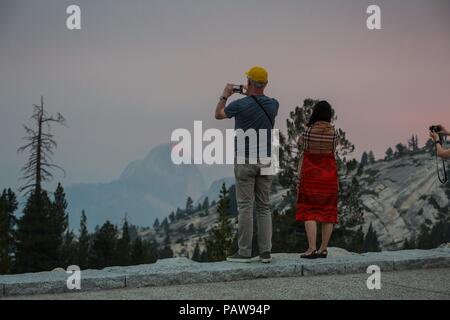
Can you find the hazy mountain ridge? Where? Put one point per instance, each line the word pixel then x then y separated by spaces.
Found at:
pixel 147 189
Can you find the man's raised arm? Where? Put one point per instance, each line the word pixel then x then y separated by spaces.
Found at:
pixel 220 108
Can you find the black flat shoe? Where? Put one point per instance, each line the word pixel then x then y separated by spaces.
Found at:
pixel 312 255
pixel 322 254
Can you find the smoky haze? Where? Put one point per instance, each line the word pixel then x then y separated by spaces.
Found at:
pixel 140 69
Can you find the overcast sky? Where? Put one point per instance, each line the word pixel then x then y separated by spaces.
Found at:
pixel 139 69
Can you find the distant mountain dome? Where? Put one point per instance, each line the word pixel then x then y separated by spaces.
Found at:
pixel 147 189
pixel 157 174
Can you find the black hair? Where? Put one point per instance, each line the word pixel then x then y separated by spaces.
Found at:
pixel 322 112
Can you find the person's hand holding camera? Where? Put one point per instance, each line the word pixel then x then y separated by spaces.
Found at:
pixel 437 133
pixel 434 136
pixel 228 91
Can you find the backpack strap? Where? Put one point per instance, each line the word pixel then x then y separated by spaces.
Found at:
pixel 259 104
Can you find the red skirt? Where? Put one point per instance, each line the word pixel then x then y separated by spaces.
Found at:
pixel 318 191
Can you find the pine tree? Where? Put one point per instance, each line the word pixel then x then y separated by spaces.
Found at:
pixel 143 252
pixel 179 214
pixel 364 160
pixel 68 251
pixel 83 243
pixel 409 244
pixel 156 224
pixel 400 150
pixel 351 208
pixel 352 165
pixel 123 246
pixel 371 243
pixel 220 240
pixel 164 224
pixel 34 245
pixel 172 217
pixel 189 205
pixel 371 157
pixel 152 251
pixel 196 256
pixel 167 240
pixel 357 241
pixel 165 253
pixel 288 234
pixel 413 143
pixel 133 231
pixel 424 238
pixel 137 253
pixel 8 222
pixel 58 224
pixel 389 154
pixel 204 256
pixel 103 247
pixel 440 233
pixel 205 205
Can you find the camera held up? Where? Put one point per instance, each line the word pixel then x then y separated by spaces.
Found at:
pixel 436 129
pixel 238 89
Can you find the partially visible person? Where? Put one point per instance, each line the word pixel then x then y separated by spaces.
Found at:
pixel 318 187
pixel 441 151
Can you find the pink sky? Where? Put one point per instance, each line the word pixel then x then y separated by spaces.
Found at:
pixel 139 69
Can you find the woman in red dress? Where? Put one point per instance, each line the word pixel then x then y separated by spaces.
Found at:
pixel 318 188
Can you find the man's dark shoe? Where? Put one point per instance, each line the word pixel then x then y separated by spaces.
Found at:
pixel 265 257
pixel 238 258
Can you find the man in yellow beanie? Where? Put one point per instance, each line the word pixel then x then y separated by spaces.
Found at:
pixel 255 112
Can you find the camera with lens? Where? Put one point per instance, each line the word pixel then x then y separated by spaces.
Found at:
pixel 238 89
pixel 436 129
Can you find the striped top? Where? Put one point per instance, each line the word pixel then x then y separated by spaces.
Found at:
pixel 321 138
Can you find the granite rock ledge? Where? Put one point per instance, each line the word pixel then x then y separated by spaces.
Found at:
pixel 184 271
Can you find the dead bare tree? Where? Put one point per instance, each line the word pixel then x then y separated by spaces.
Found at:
pixel 40 144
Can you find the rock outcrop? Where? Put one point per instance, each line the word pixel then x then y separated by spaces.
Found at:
pixel 400 195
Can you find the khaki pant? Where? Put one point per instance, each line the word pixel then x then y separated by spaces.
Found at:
pixel 253 190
